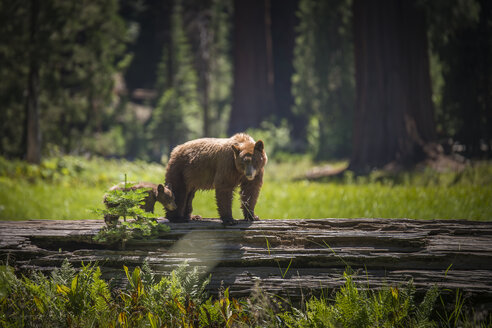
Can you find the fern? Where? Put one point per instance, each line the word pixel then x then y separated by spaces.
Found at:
pixel 64 274
pixel 148 276
pixel 81 298
pixel 8 281
pixel 426 307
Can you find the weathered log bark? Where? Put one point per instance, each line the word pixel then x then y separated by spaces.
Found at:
pixel 451 254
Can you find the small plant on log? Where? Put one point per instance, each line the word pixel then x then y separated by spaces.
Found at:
pixel 126 202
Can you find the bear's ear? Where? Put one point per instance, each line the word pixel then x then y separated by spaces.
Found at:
pixel 259 146
pixel 169 186
pixel 160 188
pixel 236 149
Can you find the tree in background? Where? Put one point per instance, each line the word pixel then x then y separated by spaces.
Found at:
pixel 263 52
pixel 394 115
pixel 461 39
pixel 176 117
pixel 207 23
pixel 32 133
pixel 284 21
pixel 253 99
pixel 65 75
pixel 194 75
pixel 150 21
pixel 323 84
pixel 13 71
pixel 293 70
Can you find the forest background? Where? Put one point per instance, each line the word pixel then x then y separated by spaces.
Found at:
pixel 375 85
pixel 135 78
pixel 400 91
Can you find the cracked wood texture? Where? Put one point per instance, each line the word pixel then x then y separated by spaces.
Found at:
pixel 286 257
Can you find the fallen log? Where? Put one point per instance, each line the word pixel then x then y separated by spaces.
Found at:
pixel 286 257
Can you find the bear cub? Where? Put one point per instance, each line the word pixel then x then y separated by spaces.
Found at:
pixel 221 164
pixel 156 193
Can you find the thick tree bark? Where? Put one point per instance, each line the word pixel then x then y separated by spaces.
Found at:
pixel 253 72
pixel 284 21
pixel 32 130
pixel 293 258
pixel 394 116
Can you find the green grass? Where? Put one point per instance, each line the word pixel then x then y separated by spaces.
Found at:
pixel 67 187
pixel 20 200
pixel 303 199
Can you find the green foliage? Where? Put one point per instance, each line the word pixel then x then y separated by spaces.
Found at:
pixel 84 107
pixel 67 299
pixel 176 117
pixel 275 136
pixel 80 298
pixel 77 46
pixel 220 66
pixel 461 49
pixel 47 191
pixel 356 306
pixel 125 231
pixel 127 202
pixel 323 85
pixel 80 171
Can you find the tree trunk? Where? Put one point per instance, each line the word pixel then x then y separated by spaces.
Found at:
pixel 253 72
pixel 153 19
pixel 284 21
pixel 394 116
pixel 467 92
pixel 292 258
pixel 203 40
pixel 32 130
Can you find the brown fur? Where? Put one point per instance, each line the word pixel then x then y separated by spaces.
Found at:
pixel 220 164
pixel 156 193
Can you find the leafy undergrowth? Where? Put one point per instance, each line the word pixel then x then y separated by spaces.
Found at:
pixel 65 187
pixel 71 298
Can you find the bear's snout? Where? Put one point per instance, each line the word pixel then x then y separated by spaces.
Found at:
pixel 250 173
pixel 171 206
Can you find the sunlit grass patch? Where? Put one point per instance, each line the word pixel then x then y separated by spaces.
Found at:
pixel 21 200
pixel 304 199
pixel 67 187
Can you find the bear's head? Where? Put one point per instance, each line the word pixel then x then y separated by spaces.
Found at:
pixel 249 158
pixel 166 197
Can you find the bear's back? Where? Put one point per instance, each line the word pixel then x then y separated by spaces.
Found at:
pixel 201 160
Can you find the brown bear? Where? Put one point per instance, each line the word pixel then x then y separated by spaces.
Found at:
pixel 159 193
pixel 221 164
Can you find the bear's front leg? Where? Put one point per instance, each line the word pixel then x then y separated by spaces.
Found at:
pixel 250 190
pixel 224 205
pixel 189 205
